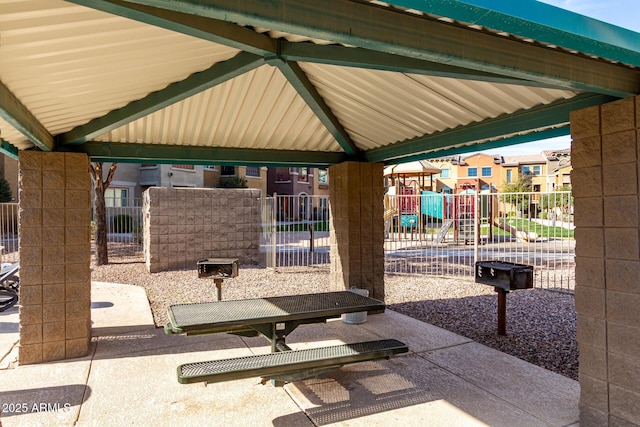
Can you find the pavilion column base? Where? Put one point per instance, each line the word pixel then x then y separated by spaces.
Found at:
pixel 605 180
pixel 55 256
pixel 357 227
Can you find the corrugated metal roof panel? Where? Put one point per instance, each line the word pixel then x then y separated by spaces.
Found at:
pixel 256 110
pixel 377 107
pixel 70 64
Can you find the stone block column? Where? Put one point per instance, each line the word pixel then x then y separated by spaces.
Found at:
pixel 605 158
pixel 55 256
pixel 357 227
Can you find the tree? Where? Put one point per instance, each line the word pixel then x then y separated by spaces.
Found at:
pixel 518 188
pixel 5 191
pixel 562 199
pixel 100 210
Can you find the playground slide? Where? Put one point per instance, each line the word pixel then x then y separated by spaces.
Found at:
pixel 389 213
pixel 521 235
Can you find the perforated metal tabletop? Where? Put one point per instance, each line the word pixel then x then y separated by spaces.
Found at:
pixel 222 316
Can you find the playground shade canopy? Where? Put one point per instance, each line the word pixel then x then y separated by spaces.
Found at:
pixel 415 168
pixel 299 82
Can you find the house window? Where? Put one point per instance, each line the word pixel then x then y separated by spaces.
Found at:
pixel 185 167
pixel 536 188
pixel 323 176
pixel 116 197
pixel 253 171
pixel 283 175
pixel 532 170
pixel 303 175
pixel 211 167
pixel 228 170
pixel 486 171
pixel 445 173
pixel 472 172
pixel 509 177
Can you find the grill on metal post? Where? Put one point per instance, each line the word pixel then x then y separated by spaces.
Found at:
pixel 504 277
pixel 218 269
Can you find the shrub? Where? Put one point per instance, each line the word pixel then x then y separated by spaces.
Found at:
pixel 233 182
pixel 122 223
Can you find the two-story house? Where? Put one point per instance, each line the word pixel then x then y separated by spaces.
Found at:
pixel 558 168
pixel 480 172
pixel 533 166
pixel 299 183
pixel 447 180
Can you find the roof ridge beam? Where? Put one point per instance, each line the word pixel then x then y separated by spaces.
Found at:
pixel 18 115
pixel 155 101
pixel 389 30
pixel 176 154
pixel 299 80
pixel 555 114
pixel 214 30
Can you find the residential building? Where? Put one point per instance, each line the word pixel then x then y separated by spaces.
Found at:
pixel 131 179
pixel 9 171
pixel 299 183
pixel 447 180
pixel 534 166
pixel 558 168
pixel 479 171
pixel 255 176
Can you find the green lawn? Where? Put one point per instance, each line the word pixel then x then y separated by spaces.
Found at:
pixel 539 229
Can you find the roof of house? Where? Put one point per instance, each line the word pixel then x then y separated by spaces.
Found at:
pixel 529 159
pixel 556 154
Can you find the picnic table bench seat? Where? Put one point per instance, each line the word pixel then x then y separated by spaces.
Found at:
pixel 289 365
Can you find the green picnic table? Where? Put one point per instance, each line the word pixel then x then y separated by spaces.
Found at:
pixel 275 318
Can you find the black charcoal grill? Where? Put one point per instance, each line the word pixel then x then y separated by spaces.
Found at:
pixel 218 269
pixel 504 277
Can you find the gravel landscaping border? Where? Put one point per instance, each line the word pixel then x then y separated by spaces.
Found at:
pixel 541 324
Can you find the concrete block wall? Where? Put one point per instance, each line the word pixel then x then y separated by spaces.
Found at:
pixel 55 256
pixel 184 225
pixel 356 228
pixel 605 180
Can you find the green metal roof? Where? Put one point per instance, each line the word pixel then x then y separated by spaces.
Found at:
pixel 272 83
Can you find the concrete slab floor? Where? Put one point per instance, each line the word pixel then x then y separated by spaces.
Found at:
pixel 130 379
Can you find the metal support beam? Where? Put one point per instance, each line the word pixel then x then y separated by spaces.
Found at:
pixel 198 82
pixel 552 115
pixel 541 22
pixel 310 95
pixel 17 115
pixel 175 154
pixel 375 60
pixel 8 149
pixel 388 30
pixel 489 145
pixel 214 30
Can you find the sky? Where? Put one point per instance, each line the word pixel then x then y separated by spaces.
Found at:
pixel 623 13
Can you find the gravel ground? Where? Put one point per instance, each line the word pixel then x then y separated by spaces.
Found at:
pixel 541 325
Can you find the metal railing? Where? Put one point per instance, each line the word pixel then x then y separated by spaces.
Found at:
pixel 9 232
pixel 445 235
pixel 429 233
pixel 439 234
pixel 124 228
pixel 295 230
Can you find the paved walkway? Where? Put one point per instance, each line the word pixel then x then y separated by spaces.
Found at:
pixel 130 379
